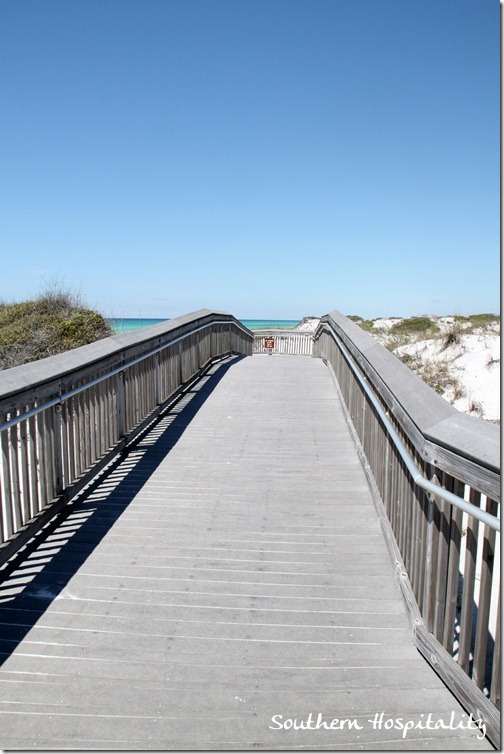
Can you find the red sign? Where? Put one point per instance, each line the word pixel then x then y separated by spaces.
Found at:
pixel 269 342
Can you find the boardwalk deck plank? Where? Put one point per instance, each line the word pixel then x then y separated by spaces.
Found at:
pixel 230 568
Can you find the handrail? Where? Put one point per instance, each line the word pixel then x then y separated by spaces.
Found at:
pixel 418 477
pixel 287 342
pixel 64 418
pixel 62 398
pixel 441 531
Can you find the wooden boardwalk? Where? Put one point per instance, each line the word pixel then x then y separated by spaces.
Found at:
pixel 229 569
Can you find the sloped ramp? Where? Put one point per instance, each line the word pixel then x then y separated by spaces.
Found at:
pixel 224 579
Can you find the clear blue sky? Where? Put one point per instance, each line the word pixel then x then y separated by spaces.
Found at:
pixel 271 158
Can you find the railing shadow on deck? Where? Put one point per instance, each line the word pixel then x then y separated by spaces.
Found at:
pixel 65 544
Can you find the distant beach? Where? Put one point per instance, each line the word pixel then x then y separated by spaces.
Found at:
pixel 129 324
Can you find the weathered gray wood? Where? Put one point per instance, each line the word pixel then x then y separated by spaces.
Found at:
pixel 472 698
pixel 442 560
pixel 412 512
pixel 462 445
pixel 452 580
pixel 120 405
pixel 22 443
pixel 469 578
pixel 58 450
pixel 6 498
pixel 196 598
pixel 32 466
pixel 495 688
pixel 286 342
pixel 485 595
pixel 68 447
pixel 12 460
pixel 29 376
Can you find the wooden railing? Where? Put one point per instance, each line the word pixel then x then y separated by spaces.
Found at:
pixel 62 419
pixel 445 556
pixel 285 342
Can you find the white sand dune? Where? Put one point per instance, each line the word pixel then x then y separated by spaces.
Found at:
pixel 470 364
pixel 466 372
pixel 308 324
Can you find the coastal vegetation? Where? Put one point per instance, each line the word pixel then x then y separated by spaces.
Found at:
pixel 458 356
pixel 54 322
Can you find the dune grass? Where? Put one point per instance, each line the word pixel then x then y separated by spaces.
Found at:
pixel 54 322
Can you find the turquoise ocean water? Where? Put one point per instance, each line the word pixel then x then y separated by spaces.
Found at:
pixel 130 324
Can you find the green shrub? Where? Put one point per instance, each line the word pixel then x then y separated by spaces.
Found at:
pixel 415 326
pixel 367 324
pixel 478 320
pixel 55 322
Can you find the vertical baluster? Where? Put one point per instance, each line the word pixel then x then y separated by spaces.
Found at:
pixel 183 353
pixel 45 468
pixel 8 524
pixel 14 441
pixel 136 394
pixel 407 536
pixel 469 577
pixel 32 465
pixel 87 401
pixel 158 378
pixel 95 423
pixel 402 504
pixel 383 447
pixel 153 383
pixel 198 353
pixel 78 434
pixel 73 410
pixel 415 540
pixel 405 503
pixel 80 427
pixel 485 594
pixel 23 465
pixel 120 405
pixel 141 392
pixel 145 388
pixel 391 496
pixel 431 558
pixel 387 474
pixel 3 532
pixel 72 438
pixel 58 450
pixel 495 688
pixel 440 571
pixel 167 366
pixel 99 427
pixel 106 424
pixel 109 417
pixel 128 398
pixel 453 568
pixel 424 540
pixel 41 470
pixel 65 444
